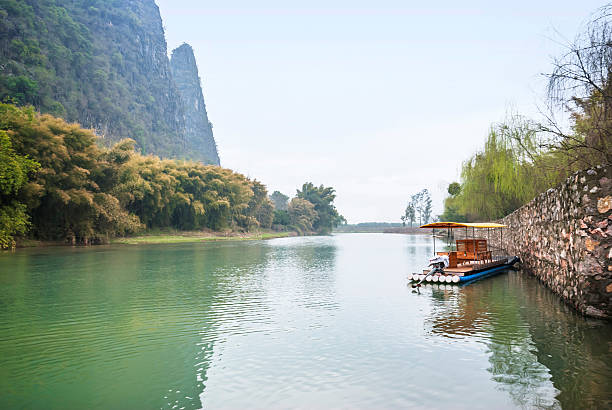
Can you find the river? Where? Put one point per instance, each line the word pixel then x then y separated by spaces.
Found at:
pixel 307 322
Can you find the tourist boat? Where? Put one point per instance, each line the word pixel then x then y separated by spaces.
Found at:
pixel 471 259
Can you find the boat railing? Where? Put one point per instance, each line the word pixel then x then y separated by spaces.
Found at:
pixel 497 252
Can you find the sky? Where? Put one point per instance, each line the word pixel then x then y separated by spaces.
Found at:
pixel 378 99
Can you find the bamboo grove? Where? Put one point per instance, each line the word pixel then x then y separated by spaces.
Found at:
pixel 57 184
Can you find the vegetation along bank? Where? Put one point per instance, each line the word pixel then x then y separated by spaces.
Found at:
pixel 523 157
pixel 57 184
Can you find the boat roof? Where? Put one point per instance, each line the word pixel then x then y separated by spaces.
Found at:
pixel 463 225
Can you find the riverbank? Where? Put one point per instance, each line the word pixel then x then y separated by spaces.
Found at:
pixel 199 236
pixel 171 236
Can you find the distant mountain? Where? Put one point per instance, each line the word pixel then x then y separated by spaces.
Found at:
pixel 199 138
pixel 103 64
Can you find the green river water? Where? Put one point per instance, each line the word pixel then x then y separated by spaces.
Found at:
pixel 310 322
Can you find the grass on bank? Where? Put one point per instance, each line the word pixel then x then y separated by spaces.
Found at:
pixel 185 237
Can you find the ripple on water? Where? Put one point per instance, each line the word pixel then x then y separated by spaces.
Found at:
pixel 294 322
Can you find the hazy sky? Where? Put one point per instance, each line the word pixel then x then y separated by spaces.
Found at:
pixel 378 99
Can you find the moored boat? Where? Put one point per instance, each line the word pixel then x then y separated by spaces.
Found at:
pixel 472 258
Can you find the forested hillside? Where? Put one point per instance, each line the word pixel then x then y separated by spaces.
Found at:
pixel 101 63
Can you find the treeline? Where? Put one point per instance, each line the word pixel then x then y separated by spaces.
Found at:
pixel 523 157
pixel 56 183
pixel 312 210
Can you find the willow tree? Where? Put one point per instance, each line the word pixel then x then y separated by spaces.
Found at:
pixel 507 173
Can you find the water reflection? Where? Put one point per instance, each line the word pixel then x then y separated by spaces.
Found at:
pixel 417 246
pixel 309 272
pixel 536 355
pixel 132 319
pixel 321 322
pixel 486 312
pixel 233 301
pixel 295 282
pixel 577 350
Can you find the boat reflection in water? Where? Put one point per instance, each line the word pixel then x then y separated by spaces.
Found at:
pixel 536 354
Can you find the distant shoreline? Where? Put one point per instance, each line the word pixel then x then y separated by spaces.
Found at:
pixel 382 229
pixel 415 230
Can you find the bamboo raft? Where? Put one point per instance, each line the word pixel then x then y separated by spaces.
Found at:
pixel 464 274
pixel 472 258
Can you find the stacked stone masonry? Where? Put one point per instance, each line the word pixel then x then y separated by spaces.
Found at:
pixel 564 238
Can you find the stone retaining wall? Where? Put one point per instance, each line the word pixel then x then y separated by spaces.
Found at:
pixel 564 237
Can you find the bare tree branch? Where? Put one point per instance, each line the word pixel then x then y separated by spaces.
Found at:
pixel 580 85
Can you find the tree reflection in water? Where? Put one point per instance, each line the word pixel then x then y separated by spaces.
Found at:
pixel 224 289
pixel 308 271
pixel 538 354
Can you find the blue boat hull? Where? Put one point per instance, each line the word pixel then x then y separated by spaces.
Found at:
pixel 488 272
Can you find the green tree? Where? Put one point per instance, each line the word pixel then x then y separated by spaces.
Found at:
pixel 426 206
pixel 522 158
pixel 279 200
pixel 451 206
pixel 281 219
pixel 260 207
pixel 182 194
pixel 322 198
pixel 15 172
pixel 503 176
pixel 303 215
pixel 420 204
pixel 65 199
pixel 454 189
pixel 409 213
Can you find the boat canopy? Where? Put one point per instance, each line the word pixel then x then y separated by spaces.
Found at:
pixel 463 225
